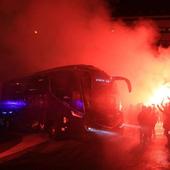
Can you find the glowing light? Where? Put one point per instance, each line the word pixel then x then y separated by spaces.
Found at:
pixel 112 30
pixel 127 125
pixel 63 129
pixel 78 104
pixel 12 104
pixel 35 32
pixel 120 106
pixel 161 95
pixel 4 113
pixel 159 130
pixel 103 80
pixel 101 132
pixel 65 120
pixel 77 114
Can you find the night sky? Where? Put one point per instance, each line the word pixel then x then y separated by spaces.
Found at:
pixel 140 7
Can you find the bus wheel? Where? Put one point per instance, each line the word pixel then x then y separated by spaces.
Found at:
pixel 55 132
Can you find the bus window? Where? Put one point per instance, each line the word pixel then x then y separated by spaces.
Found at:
pixel 37 85
pixel 66 86
pixel 13 90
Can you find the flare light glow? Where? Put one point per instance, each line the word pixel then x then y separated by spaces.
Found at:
pixel 161 95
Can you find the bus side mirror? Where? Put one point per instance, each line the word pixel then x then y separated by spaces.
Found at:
pixel 127 81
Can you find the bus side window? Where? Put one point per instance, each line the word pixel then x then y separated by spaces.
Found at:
pixel 61 84
pixel 37 85
pixel 13 90
pixel 66 86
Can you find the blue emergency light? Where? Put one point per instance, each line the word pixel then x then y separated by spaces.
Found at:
pixel 12 104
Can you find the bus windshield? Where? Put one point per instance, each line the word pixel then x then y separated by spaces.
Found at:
pixel 103 96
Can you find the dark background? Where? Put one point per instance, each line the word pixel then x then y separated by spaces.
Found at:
pixel 139 7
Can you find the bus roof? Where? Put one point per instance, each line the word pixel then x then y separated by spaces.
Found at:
pixel 49 71
pixel 69 67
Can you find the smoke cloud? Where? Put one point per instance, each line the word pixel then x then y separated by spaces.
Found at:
pixel 45 34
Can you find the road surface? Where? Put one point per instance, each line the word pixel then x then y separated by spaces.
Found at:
pixel 101 152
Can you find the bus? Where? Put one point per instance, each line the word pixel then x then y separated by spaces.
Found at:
pixel 64 100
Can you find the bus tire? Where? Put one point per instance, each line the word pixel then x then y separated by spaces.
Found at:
pixel 56 133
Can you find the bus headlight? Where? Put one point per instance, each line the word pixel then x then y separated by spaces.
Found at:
pixel 76 114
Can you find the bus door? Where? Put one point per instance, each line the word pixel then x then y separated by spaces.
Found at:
pixel 36 97
pixel 86 84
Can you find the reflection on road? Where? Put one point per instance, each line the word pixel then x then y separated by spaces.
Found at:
pixel 26 143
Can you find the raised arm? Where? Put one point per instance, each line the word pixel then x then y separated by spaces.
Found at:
pixel 161 109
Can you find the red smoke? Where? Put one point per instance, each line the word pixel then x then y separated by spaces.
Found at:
pixel 52 33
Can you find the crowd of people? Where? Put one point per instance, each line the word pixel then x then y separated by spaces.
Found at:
pixel 149 116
